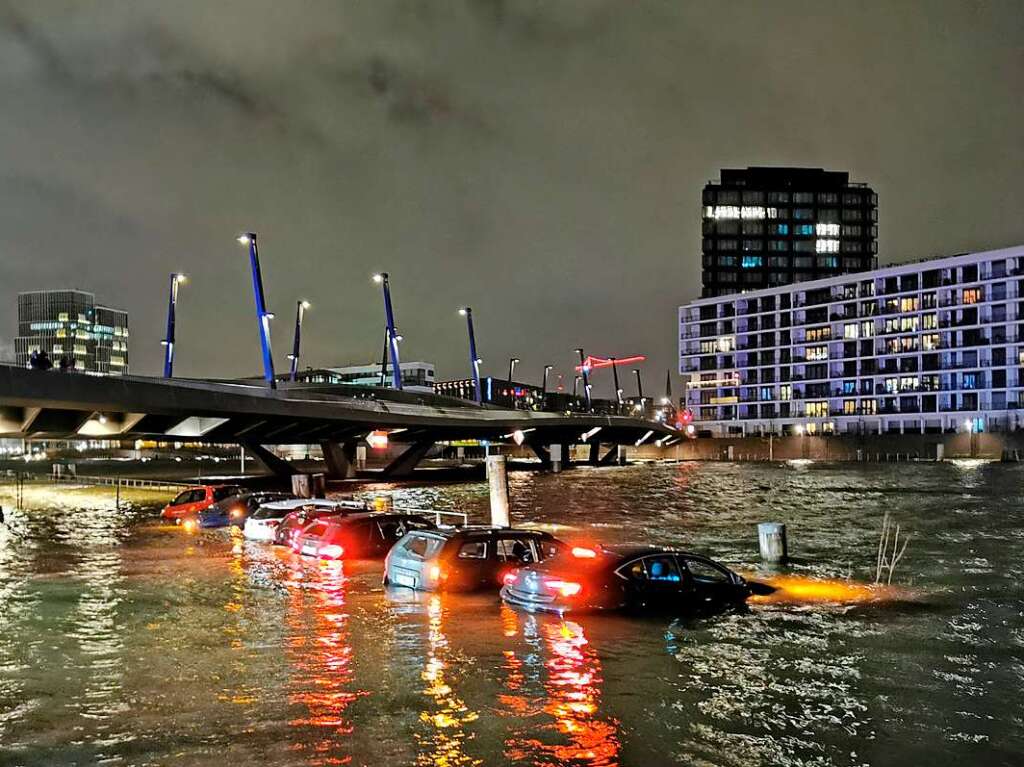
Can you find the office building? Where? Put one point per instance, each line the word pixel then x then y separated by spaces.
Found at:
pixel 764 227
pixel 69 324
pixel 932 346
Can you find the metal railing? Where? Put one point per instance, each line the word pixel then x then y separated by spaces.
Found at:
pixel 437 513
pixel 153 484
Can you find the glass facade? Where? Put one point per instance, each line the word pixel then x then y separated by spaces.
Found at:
pixel 784 221
pixel 925 347
pixel 69 325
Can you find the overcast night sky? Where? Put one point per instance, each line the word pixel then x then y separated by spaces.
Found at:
pixel 542 162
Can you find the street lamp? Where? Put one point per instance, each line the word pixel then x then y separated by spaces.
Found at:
pixel 615 379
pixel 474 360
pixel 177 280
pixel 390 336
pixel 584 369
pixel 300 312
pixel 512 362
pixel 639 387
pixel 263 317
pixel 544 384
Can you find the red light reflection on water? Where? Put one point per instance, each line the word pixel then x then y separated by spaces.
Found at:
pixel 573 688
pixel 320 657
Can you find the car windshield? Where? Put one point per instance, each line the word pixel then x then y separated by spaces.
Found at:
pixel 269 512
pixel 220 493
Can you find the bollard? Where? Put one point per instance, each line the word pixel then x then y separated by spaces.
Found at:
pixel 771 538
pixel 555 453
pixel 497 478
pixel 302 485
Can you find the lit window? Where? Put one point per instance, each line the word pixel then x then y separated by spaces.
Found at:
pixel 786 390
pixel 850 330
pixel 817 409
pixel 817 353
pixel 826 246
pixel 972 295
pixel 849 407
pixel 827 230
pixel 803 229
pixel 749 262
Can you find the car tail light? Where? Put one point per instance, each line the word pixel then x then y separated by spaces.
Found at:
pixel 236 512
pixel 332 551
pixel 510 577
pixel 437 573
pixel 582 552
pixel 565 588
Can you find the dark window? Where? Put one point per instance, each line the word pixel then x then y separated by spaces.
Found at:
pixel 473 550
pixel 706 572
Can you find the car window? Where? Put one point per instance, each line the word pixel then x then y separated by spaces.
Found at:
pixel 182 498
pixel 655 569
pixel 549 548
pixel 198 496
pixel 269 512
pixel 518 549
pixel 662 569
pixel 706 572
pixel 422 546
pixel 220 493
pixel 473 550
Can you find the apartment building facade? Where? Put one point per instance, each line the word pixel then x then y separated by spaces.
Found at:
pixel 932 346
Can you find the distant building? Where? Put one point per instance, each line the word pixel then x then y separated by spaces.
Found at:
pixel 764 227
pixel 928 347
pixel 69 323
pixel 416 376
pixel 494 391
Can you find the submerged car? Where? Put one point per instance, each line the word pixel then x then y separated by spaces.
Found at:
pixel 262 524
pixel 466 558
pixel 357 536
pixel 625 578
pixel 293 524
pixel 235 509
pixel 196 499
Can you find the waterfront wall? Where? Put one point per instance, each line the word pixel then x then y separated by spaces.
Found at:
pixel 870 447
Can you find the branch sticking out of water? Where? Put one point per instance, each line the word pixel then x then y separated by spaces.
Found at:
pixel 886 562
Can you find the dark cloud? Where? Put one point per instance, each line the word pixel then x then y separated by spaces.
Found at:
pixel 540 161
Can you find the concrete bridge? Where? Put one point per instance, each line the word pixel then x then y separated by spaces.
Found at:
pixel 51 405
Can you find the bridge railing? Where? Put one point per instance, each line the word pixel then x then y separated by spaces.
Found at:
pixel 438 514
pixel 151 484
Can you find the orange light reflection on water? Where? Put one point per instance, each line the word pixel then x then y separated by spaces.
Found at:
pixel 573 688
pixel 799 589
pixel 447 714
pixel 319 654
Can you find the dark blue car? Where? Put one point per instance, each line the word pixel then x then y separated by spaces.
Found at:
pixel 235 510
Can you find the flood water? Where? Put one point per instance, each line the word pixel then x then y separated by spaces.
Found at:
pixel 128 642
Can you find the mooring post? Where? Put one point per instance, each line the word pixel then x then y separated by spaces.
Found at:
pixel 771 538
pixel 555 451
pixel 497 478
pixel 117 498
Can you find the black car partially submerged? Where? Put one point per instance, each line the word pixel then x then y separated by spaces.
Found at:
pixel 624 578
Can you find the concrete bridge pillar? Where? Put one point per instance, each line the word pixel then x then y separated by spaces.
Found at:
pixel 340 459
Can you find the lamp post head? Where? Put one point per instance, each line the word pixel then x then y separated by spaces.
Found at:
pixel 380 277
pixel 181 279
pixel 269 315
pixel 247 238
pixel 549 367
pixel 465 311
pixel 399 337
pixel 305 304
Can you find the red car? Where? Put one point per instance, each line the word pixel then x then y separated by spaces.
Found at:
pixel 197 499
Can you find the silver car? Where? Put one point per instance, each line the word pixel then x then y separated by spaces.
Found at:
pixel 465 558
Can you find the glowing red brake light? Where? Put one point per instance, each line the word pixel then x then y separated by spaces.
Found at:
pixel 565 588
pixel 332 551
pixel 510 577
pixel 581 552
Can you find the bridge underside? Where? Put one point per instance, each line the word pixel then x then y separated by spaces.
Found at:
pixel 59 406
